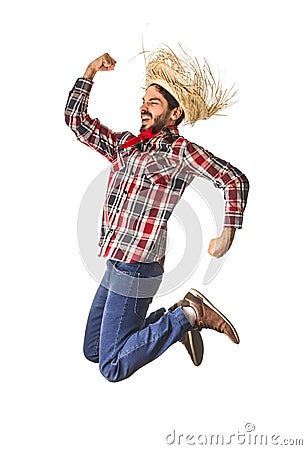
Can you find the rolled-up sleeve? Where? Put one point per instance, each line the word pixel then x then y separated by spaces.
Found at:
pixel 201 162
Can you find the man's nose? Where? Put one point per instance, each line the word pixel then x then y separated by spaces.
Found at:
pixel 145 111
pixel 144 108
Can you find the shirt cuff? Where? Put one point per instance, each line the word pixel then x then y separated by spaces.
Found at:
pixel 233 220
pixel 83 85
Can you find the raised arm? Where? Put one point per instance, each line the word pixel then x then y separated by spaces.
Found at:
pixel 90 131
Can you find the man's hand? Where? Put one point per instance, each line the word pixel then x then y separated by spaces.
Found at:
pixel 103 63
pixel 219 246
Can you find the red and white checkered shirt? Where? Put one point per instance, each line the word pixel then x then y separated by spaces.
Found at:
pixel 147 180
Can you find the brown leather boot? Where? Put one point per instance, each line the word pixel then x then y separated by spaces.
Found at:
pixel 208 316
pixel 192 341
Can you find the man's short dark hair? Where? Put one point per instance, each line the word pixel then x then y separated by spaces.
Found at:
pixel 171 101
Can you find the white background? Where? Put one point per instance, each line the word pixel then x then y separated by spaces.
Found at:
pixel 52 397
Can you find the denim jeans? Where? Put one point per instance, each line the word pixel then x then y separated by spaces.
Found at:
pixel 118 334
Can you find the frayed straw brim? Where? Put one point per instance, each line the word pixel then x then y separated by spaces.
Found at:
pixel 194 87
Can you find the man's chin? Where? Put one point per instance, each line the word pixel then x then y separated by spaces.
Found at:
pixel 145 127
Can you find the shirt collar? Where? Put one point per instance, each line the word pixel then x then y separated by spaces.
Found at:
pixel 170 129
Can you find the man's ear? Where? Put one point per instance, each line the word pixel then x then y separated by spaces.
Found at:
pixel 176 113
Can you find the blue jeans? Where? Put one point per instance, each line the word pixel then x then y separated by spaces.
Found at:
pixel 118 334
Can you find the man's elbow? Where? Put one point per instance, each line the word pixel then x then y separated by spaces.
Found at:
pixel 246 182
pixel 71 120
pixel 244 188
pixel 67 119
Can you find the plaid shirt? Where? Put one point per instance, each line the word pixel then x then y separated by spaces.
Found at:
pixel 147 180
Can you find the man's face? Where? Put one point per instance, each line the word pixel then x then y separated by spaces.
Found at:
pixel 154 111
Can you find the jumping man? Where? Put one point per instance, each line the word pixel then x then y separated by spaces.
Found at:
pixel 148 175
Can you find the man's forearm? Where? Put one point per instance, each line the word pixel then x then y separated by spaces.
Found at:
pixel 229 233
pixel 235 194
pixel 77 103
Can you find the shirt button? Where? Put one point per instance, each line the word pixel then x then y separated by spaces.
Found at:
pixel 117 211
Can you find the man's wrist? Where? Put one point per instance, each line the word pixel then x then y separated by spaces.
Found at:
pixel 89 73
pixel 228 234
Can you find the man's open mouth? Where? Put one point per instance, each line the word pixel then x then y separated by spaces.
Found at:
pixel 145 119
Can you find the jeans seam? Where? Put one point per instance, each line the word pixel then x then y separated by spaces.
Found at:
pixel 140 346
pixel 121 319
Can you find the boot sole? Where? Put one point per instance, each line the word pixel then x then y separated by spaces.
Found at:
pixel 208 303
pixel 196 346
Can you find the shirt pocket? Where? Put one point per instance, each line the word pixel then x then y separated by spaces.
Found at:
pixel 121 159
pixel 160 169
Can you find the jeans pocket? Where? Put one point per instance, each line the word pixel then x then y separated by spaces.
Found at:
pixel 138 280
pixel 131 269
pixel 149 280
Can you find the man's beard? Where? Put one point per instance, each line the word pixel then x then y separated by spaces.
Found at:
pixel 159 122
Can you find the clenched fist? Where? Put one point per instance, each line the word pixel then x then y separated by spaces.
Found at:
pixel 219 246
pixel 101 64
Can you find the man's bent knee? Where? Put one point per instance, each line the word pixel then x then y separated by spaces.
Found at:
pixel 90 357
pixel 111 372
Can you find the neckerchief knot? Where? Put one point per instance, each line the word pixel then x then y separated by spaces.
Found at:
pixel 143 136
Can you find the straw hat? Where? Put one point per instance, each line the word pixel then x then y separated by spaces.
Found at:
pixel 192 85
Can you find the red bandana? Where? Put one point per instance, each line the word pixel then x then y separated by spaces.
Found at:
pixel 145 134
